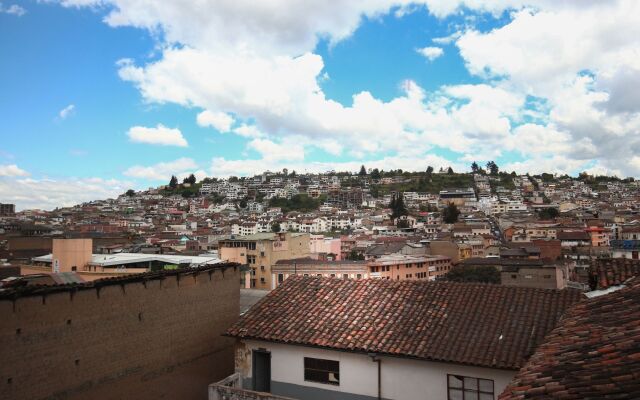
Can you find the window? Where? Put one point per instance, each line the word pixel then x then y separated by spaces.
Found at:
pixel 466 388
pixel 323 371
pixel 359 276
pixel 345 276
pixel 280 278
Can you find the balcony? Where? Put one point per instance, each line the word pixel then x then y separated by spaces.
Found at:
pixel 230 388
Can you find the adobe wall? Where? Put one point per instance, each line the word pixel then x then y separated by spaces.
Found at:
pixel 125 339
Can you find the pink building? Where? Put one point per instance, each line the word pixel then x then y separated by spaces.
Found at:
pixel 318 244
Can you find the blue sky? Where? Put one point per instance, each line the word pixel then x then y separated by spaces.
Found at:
pixel 99 96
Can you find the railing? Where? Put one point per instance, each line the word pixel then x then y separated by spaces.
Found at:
pixel 230 388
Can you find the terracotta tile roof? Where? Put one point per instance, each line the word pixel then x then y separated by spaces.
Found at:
pixel 612 271
pixel 593 354
pixel 477 324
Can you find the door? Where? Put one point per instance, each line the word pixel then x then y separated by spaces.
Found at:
pixel 261 371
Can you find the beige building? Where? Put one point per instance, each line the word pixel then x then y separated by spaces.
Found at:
pixel 261 251
pixel 402 268
pixel 71 255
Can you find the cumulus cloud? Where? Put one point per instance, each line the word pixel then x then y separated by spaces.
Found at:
pixel 46 193
pixel 430 53
pixel 162 171
pixel 160 135
pixel 67 111
pixel 218 120
pixel 235 56
pixel 12 170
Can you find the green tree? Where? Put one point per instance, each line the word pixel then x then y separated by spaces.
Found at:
pixel 429 171
pixel 275 227
pixel 481 274
pixel 397 206
pixel 191 179
pixel 450 213
pixel 173 183
pixel 375 174
pixel 355 256
pixel 130 193
pixel 548 213
pixel 363 171
pixel 474 167
pixel 450 171
pixel 243 203
pixel 492 167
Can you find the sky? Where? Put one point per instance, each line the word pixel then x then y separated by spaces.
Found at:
pixel 99 96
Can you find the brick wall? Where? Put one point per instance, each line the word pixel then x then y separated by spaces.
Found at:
pixel 152 338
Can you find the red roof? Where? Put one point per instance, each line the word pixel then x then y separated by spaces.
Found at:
pixel 477 324
pixel 612 271
pixel 593 354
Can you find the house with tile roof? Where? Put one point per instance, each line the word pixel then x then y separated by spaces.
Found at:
pixel 594 353
pixel 328 338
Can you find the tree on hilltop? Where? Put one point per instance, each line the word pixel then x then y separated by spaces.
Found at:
pixel 173 183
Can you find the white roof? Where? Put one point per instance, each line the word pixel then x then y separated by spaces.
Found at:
pixel 106 260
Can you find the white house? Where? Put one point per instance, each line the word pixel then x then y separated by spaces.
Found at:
pixel 326 338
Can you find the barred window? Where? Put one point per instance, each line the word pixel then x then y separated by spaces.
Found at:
pixel 322 371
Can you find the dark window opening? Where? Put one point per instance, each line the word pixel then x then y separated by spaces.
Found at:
pixel 322 371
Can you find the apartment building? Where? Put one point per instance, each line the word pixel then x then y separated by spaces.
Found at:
pixel 261 251
pixel 400 267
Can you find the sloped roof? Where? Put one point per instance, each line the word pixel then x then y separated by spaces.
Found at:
pixel 476 324
pixel 573 235
pixel 607 272
pixel 593 354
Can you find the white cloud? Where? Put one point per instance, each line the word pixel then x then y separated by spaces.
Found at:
pixel 289 150
pixel 48 193
pixel 444 40
pixel 160 135
pixel 12 170
pixel 13 9
pixel 236 57
pixel 218 120
pixel 162 171
pixel 430 53
pixel 67 111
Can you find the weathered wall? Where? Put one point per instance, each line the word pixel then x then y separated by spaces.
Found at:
pixel 402 378
pixel 159 339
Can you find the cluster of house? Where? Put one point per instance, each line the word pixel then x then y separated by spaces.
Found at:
pixel 343 301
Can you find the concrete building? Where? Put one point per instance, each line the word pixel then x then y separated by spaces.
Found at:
pixel 75 255
pixel 148 336
pixel 401 267
pixel 261 251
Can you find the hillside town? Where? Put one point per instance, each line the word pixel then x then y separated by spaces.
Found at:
pixel 295 251
pixel 535 231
